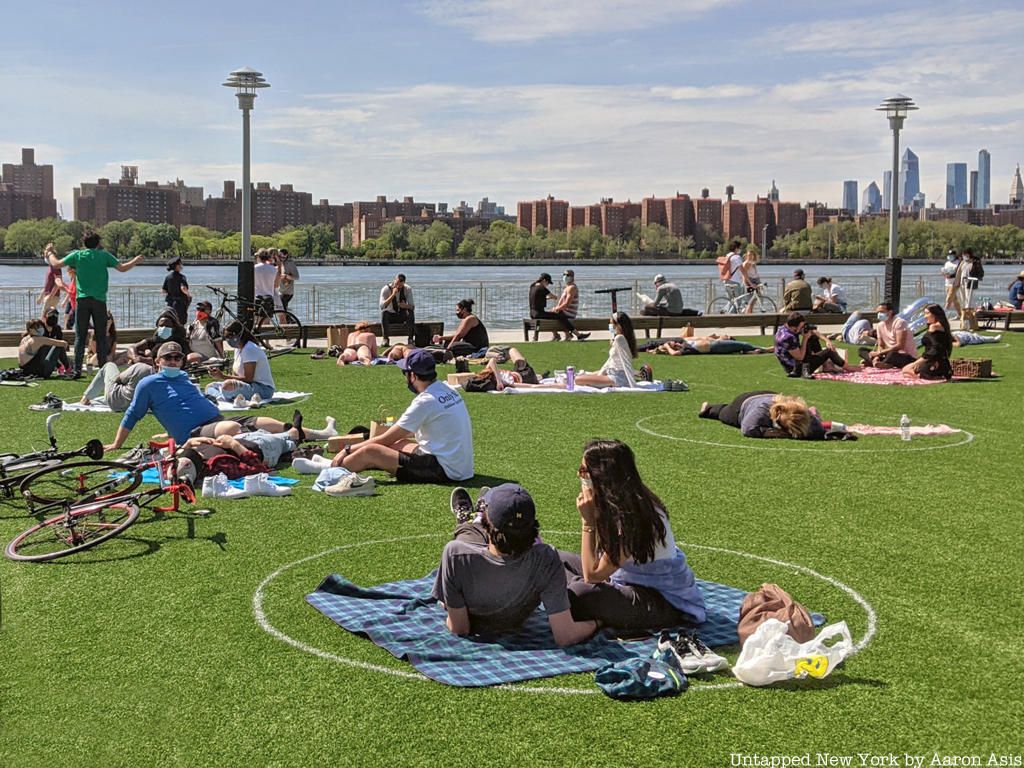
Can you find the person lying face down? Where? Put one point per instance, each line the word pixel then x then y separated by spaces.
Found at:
pixel 495 571
pixel 768 414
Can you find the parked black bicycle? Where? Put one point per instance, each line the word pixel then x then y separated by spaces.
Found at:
pixel 278 331
pixel 14 468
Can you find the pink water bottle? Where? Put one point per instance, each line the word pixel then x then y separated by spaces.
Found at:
pixel 570 378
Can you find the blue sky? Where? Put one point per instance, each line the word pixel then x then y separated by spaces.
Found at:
pixel 515 99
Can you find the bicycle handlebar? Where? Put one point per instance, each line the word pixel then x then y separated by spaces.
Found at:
pixel 215 289
pixel 49 429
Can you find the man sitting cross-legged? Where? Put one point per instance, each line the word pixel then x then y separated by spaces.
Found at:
pixel 432 442
pixel 495 571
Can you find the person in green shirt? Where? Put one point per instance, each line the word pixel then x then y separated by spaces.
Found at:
pixel 91 265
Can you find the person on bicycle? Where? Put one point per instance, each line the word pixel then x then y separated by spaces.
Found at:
pixel 729 267
pixel 250 373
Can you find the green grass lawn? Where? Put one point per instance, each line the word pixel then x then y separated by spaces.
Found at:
pixel 146 651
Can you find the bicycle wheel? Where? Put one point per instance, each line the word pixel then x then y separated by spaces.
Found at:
pixel 764 304
pixel 720 305
pixel 86 481
pixel 278 334
pixel 13 473
pixel 73 531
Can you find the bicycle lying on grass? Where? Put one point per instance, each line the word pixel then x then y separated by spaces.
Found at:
pixel 97 501
pixel 277 331
pixel 753 300
pixel 14 468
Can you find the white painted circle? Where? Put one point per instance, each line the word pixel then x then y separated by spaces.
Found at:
pixel 968 437
pixel 261 617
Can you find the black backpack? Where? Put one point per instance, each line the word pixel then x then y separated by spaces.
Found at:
pixel 977 271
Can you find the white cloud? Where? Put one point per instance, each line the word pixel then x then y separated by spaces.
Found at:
pixel 523 21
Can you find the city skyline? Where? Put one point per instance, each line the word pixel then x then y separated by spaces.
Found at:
pixel 459 101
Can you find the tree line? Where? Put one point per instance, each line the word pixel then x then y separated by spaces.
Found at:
pixel 503 239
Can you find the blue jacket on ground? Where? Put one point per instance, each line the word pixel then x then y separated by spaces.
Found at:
pixel 177 404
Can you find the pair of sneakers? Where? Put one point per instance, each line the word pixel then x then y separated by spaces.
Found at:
pixel 462 505
pixel 218 487
pixel 690 653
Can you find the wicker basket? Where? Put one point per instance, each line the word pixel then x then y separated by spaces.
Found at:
pixel 966 368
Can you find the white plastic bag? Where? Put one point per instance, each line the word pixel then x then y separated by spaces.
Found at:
pixel 771 656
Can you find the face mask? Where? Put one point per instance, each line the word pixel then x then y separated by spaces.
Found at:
pixel 408 383
pixel 163 332
pixel 568 279
pixel 233 343
pixel 170 371
pixel 611 329
pixel 586 483
pixel 883 316
pixel 37 331
pixel 201 316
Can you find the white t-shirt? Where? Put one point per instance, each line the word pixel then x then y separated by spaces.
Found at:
pixel 836 295
pixel 251 353
pixel 439 418
pixel 949 270
pixel 735 262
pixel 263 280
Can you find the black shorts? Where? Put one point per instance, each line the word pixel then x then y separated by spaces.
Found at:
pixel 420 468
pixel 248 424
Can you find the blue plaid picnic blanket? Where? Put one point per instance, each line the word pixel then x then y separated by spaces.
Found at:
pixel 405 620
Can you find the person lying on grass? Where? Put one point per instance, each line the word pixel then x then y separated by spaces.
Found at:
pixel 432 442
pixel 769 414
pixel 361 346
pixel 629 574
pixel 708 345
pixel 493 378
pixel 496 571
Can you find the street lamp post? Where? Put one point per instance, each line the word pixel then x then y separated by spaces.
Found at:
pixel 246 81
pixel 896 108
pixel 764 241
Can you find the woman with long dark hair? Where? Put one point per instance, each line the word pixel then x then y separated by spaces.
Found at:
pixel 630 574
pixel 938 345
pixel 250 372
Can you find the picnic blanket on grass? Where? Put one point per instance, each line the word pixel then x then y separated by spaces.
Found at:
pixel 927 430
pixel 405 620
pixel 151 476
pixel 640 388
pixel 280 398
pixel 890 376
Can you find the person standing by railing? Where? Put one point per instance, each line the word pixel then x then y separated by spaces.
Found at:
pixel 288 275
pixel 92 265
pixel 175 290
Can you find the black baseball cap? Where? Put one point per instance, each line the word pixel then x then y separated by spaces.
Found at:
pixel 509 505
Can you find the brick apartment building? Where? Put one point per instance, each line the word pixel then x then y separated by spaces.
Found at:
pixel 102 202
pixel 26 190
pixel 549 213
pixel 674 213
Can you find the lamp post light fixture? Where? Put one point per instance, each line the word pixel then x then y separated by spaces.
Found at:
pixel 896 108
pixel 246 81
pixel 764 241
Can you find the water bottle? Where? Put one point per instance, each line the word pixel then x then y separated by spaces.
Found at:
pixel 570 378
pixel 904 427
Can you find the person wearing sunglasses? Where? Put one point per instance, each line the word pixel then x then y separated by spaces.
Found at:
pixel 171 397
pixel 250 372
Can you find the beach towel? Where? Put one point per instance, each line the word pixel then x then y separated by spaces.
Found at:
pixel 640 388
pixel 98 406
pixel 888 376
pixel 151 476
pixel 928 430
pixel 405 620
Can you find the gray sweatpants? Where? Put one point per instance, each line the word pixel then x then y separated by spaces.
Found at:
pixel 116 388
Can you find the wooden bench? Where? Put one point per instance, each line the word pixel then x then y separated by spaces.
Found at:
pixel 646 324
pixel 991 319
pixel 319 330
pixel 124 336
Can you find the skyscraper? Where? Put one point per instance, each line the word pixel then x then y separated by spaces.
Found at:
pixel 1017 188
pixel 956 185
pixel 872 200
pixel 850 196
pixel 910 179
pixel 972 194
pixel 886 190
pixel 984 198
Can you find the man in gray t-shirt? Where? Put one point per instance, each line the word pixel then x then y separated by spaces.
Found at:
pixel 289 274
pixel 667 301
pixel 495 572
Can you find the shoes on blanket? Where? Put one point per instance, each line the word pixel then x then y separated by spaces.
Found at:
pixel 690 652
pixel 50 403
pixel 260 485
pixel 646 373
pixel 218 487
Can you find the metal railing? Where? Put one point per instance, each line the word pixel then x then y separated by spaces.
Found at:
pixel 498 304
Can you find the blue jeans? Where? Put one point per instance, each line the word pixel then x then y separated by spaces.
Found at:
pixel 229 390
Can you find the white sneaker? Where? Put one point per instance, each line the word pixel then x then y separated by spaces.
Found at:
pixel 255 401
pixel 226 490
pixel 260 485
pixel 311 465
pixel 240 402
pixel 210 486
pixel 352 485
